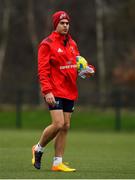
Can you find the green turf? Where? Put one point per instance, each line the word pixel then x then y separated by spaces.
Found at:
pixel 87 119
pixel 94 155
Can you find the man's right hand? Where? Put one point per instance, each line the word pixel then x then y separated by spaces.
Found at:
pixel 49 97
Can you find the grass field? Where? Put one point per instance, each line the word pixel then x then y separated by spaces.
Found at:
pixel 87 119
pixel 94 155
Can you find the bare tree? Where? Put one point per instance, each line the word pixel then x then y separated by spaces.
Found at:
pixel 5 28
pixel 31 25
pixel 100 45
pixel 34 36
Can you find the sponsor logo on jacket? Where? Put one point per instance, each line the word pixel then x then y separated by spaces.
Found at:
pixel 71 66
pixel 59 50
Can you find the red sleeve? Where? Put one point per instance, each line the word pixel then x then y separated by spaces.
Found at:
pixel 44 68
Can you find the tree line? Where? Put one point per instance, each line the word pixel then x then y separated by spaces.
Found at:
pixel 103 29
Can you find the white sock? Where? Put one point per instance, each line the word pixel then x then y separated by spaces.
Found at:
pixel 38 148
pixel 57 160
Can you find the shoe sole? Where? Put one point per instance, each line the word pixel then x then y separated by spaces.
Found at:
pixel 62 171
pixel 33 156
pixel 59 170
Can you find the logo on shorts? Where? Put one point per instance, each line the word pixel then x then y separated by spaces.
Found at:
pixel 57 103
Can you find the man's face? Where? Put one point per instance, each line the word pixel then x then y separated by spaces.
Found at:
pixel 63 27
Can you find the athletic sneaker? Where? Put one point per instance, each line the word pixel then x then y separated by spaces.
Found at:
pixel 36 158
pixel 62 167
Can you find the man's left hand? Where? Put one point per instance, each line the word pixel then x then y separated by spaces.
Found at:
pixel 88 72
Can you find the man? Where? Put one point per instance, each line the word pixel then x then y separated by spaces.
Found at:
pixel 57 72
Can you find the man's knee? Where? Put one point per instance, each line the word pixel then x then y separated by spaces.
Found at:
pixel 59 125
pixel 57 119
pixel 66 126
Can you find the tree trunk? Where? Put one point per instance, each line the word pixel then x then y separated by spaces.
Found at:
pixel 100 47
pixel 5 28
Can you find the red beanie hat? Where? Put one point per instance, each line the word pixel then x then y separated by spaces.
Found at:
pixel 59 15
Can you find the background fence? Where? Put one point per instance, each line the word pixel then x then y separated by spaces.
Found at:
pixel 117 100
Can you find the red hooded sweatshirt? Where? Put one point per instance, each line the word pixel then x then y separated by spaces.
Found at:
pixel 57 69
